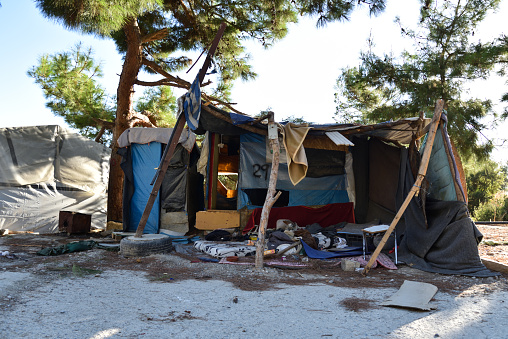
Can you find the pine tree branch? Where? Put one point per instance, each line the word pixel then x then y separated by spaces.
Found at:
pixel 219 101
pixel 158 69
pixel 161 82
pixel 100 134
pixel 104 123
pixel 138 119
pixel 189 13
pixel 159 35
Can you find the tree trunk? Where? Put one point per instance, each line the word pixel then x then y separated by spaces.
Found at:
pixel 125 94
pixel 271 197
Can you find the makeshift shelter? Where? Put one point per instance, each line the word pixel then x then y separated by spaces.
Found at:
pixel 48 169
pixel 369 167
pixel 174 210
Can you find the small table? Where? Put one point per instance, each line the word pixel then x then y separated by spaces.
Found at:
pixel 373 231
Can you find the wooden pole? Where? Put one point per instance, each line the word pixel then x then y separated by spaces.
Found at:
pixel 173 140
pixel 271 197
pixel 416 187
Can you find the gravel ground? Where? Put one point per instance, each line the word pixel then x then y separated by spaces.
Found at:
pixel 495 242
pixel 98 294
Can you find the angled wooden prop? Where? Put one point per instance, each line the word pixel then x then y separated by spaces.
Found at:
pixel 173 140
pixel 416 187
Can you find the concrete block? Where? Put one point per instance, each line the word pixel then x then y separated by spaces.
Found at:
pixel 349 265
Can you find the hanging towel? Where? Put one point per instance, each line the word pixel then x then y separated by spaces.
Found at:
pixel 294 135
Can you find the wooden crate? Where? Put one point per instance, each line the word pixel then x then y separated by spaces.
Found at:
pixel 72 222
pixel 215 219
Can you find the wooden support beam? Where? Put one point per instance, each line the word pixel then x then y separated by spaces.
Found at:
pixel 416 187
pixel 271 197
pixel 173 141
pixel 213 171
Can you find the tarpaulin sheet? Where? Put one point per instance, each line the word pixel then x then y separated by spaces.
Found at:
pixel 239 119
pixel 145 159
pixel 325 216
pixel 439 172
pixel 47 169
pixel 443 240
pixel 255 174
pixel 317 197
pixel 317 254
pixel 448 245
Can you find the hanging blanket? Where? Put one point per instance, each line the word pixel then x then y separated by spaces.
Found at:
pixel 325 216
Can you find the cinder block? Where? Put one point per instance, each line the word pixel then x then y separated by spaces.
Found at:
pixel 349 265
pixel 170 218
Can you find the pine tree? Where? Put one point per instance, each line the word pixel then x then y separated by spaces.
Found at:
pixel 69 83
pixel 150 32
pixel 445 59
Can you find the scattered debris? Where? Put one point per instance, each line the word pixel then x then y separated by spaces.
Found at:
pixel 357 304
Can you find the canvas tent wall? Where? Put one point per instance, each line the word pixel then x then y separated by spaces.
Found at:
pixel 331 166
pixel 141 150
pixel 436 232
pixel 48 169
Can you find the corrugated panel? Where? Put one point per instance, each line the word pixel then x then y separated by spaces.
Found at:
pixel 339 139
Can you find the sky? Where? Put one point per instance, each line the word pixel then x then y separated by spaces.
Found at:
pixel 296 77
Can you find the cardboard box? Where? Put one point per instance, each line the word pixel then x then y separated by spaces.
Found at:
pixel 215 219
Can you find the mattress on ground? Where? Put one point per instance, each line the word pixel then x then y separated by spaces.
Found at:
pixel 222 249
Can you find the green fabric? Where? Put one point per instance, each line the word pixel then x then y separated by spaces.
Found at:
pixel 439 172
pixel 76 246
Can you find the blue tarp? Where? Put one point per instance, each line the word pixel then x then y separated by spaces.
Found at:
pixel 145 159
pixel 317 254
pixel 239 119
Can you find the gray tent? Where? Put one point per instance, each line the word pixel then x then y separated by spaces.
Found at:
pixel 48 169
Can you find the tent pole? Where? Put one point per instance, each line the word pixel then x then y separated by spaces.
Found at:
pixel 271 197
pixel 416 187
pixel 173 140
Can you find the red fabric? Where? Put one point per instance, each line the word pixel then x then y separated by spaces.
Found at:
pixel 325 216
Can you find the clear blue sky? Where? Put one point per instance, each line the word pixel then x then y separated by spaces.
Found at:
pixel 295 77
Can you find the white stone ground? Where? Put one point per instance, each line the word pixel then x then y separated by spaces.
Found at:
pixel 125 304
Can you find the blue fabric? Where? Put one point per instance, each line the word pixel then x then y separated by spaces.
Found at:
pixel 239 119
pixel 243 201
pixel 183 239
pixel 316 197
pixel 252 137
pixel 317 254
pixel 145 158
pixel 192 105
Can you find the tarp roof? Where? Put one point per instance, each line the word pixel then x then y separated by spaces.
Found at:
pixel 216 120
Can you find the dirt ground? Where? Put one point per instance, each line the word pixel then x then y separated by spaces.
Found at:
pixel 60 296
pixel 186 265
pixel 495 242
